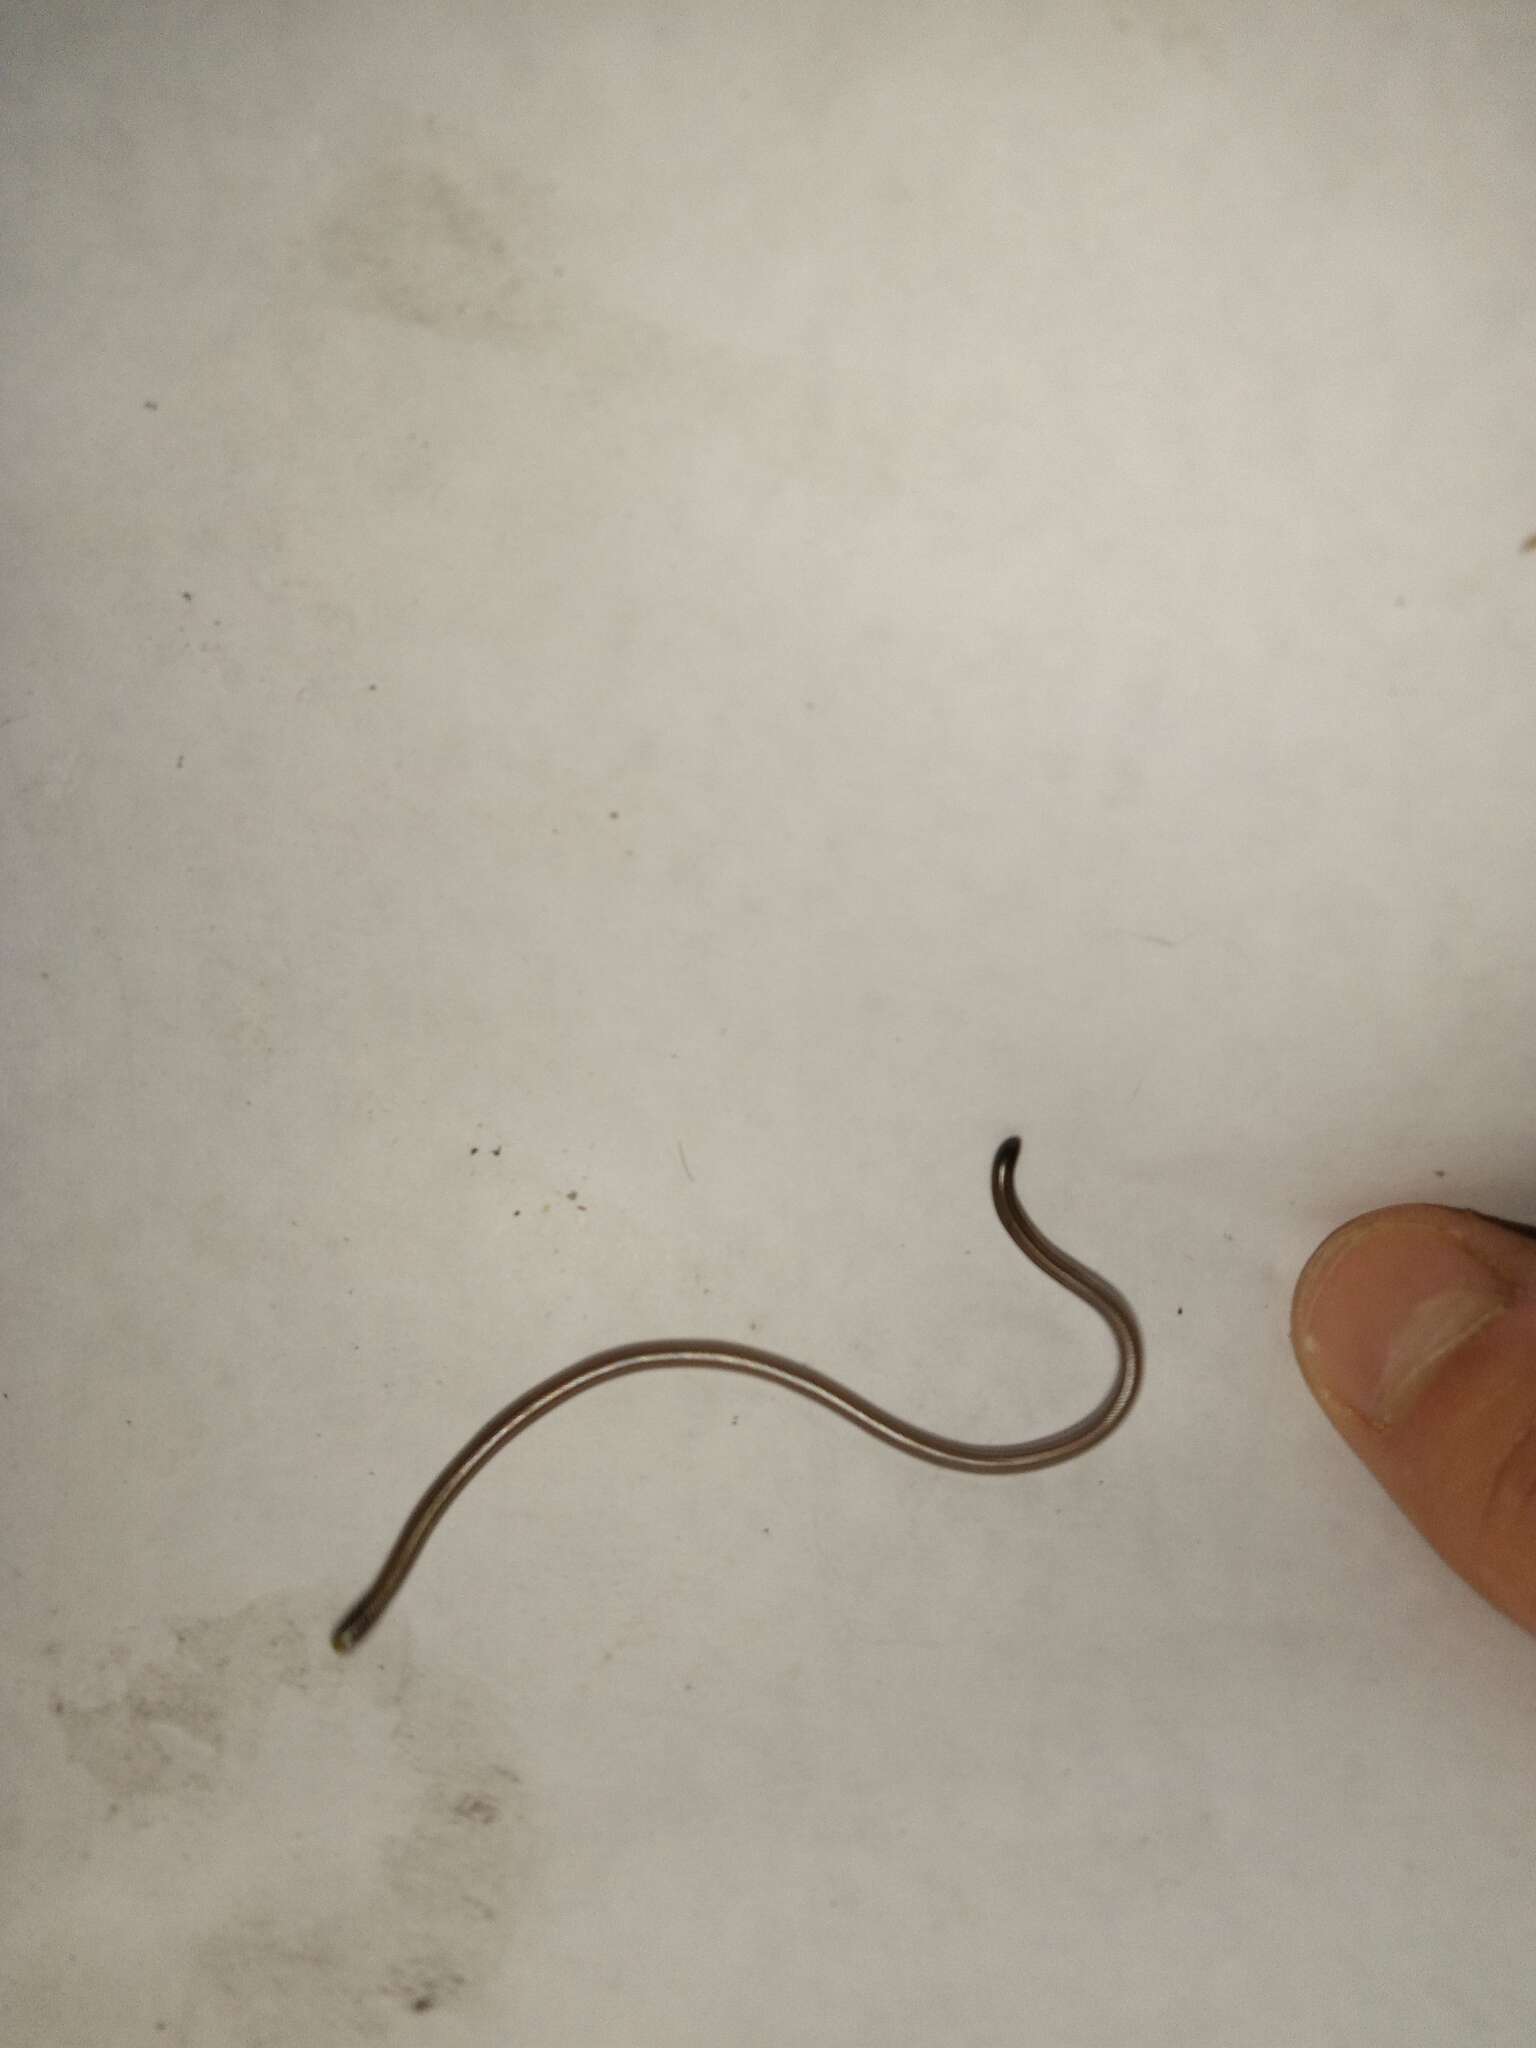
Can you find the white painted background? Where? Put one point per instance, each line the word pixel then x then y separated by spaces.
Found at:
pixel 725 604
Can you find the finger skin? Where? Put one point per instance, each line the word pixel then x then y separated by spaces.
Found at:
pixel 1415 1327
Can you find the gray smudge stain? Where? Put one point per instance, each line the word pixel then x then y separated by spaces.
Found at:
pixel 367 1843
pixel 167 1728
pixel 407 242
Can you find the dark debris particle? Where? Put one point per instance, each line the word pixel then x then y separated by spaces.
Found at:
pixel 423 2004
pixel 613 814
pixel 181 760
pixel 151 405
pixel 1439 1173
pixel 473 1150
pixel 571 1194
pixel 186 597
pixel 1181 1311
pixel 1528 545
pixel 495 1151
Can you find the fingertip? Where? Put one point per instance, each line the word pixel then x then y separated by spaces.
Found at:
pixel 1387 1299
pixel 1415 1328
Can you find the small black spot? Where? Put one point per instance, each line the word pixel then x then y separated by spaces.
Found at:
pixel 613 814
pixel 373 686
pixel 1181 1311
pixel 571 1195
pixel 1439 1173
pixel 181 760
pixel 424 2003
pixel 517 1212
pixel 495 1151
pixel 151 405
pixel 473 1150
pixel 186 597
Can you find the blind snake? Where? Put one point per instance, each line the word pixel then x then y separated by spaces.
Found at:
pixel 1031 1455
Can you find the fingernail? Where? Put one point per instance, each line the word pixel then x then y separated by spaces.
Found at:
pixel 1383 1310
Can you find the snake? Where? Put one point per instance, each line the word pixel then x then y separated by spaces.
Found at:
pixel 955 1454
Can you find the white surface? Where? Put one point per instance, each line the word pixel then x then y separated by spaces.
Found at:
pixel 734 602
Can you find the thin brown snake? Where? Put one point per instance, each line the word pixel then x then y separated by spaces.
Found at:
pixel 1032 1455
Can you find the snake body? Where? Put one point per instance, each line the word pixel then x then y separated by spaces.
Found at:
pixel 1030 1455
